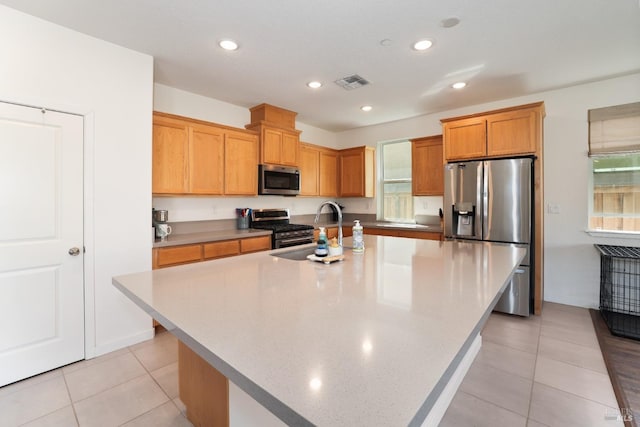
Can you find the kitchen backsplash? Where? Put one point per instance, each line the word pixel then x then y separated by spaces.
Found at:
pixel 182 209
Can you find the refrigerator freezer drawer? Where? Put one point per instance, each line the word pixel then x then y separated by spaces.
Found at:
pixel 515 299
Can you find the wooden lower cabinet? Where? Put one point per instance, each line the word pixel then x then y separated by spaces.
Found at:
pixel 166 257
pixel 255 244
pixel 185 254
pixel 427 235
pixel 221 249
pixel 203 389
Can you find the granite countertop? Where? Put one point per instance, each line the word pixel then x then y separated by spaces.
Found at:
pixel 366 341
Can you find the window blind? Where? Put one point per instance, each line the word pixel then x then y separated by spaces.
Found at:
pixel 614 130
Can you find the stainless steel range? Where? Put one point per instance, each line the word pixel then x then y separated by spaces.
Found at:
pixel 284 234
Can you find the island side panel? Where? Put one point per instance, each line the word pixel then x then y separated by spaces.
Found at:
pixel 203 390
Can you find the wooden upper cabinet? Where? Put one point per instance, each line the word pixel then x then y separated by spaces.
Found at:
pixel 357 173
pixel 512 131
pixel 290 148
pixel 277 146
pixel 318 171
pixel 309 170
pixel 271 149
pixel 427 168
pixel 328 173
pixel 465 139
pixel 241 164
pixel 196 157
pixel 279 140
pixel 206 160
pixel 170 156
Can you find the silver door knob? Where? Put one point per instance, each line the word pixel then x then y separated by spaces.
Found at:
pixel 74 251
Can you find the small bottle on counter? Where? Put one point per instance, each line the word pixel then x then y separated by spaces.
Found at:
pixel 358 237
pixel 322 250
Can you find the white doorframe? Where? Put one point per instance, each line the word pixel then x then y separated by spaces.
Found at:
pixel 89 238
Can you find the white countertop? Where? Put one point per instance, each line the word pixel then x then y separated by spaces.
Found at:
pixel 367 341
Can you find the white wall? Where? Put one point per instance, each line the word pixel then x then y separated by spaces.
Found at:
pixel 175 101
pixel 571 263
pixel 50 66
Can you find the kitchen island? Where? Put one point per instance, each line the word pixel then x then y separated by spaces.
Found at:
pixel 371 340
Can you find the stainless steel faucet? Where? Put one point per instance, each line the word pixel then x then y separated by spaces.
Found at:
pixel 337 207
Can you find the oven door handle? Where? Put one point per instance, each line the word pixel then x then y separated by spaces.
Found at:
pixel 293 242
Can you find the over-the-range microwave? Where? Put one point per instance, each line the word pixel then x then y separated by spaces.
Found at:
pixel 278 180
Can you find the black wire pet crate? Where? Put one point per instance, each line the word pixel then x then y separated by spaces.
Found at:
pixel 620 289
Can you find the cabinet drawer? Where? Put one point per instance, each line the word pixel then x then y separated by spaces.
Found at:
pixel 178 255
pixel 221 249
pixel 255 244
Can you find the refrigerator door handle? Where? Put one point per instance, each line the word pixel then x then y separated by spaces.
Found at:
pixel 485 199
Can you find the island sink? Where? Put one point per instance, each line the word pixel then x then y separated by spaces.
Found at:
pixel 296 254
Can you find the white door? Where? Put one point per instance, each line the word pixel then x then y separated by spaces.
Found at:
pixel 41 224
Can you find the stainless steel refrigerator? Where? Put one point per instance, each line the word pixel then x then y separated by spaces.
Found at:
pixel 491 200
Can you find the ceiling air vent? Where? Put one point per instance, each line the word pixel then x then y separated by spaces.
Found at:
pixel 351 82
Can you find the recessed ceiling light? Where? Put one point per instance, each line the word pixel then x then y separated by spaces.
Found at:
pixel 458 85
pixel 314 85
pixel 366 108
pixel 422 45
pixel 228 45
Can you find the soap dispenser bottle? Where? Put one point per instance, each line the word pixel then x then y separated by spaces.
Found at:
pixel 358 237
pixel 321 249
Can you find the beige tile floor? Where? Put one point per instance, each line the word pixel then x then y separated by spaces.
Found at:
pixel 542 371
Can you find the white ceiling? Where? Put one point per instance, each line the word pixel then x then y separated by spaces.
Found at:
pixel 502 48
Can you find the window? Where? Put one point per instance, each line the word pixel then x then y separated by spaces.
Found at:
pixel 614 145
pixel 396 203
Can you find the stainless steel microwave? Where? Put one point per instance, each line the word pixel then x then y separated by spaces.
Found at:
pixel 279 180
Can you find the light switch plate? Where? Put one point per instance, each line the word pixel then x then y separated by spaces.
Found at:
pixel 552 208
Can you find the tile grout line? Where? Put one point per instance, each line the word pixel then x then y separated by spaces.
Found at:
pixel 73 406
pixel 169 399
pixel 55 410
pixel 535 364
